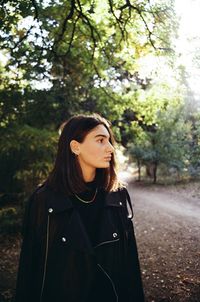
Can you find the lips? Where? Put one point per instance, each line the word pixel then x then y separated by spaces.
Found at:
pixel 107 158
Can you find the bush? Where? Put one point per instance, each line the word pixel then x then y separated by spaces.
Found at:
pixel 27 155
pixel 10 220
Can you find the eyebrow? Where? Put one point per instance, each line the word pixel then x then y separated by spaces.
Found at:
pixel 103 135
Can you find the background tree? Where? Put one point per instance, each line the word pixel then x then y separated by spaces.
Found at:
pixel 194 146
pixel 164 144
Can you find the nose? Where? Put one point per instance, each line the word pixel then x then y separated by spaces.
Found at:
pixel 110 148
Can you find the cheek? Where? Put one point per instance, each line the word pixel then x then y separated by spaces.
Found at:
pixel 93 151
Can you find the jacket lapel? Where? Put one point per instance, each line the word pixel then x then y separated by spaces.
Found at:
pixel 109 228
pixel 74 230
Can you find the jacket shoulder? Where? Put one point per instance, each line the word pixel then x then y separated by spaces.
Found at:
pixel 40 193
pixel 35 206
pixel 126 201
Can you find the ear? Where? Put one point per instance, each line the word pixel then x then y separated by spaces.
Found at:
pixel 74 146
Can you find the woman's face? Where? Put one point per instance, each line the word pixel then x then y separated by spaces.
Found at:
pixel 96 150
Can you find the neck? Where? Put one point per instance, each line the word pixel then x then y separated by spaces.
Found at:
pixel 88 177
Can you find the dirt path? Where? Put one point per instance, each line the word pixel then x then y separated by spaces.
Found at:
pixel 167 225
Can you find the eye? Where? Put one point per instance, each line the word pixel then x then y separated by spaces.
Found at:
pixel 100 140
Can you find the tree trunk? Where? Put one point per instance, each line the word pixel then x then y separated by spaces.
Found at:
pixel 139 170
pixel 155 166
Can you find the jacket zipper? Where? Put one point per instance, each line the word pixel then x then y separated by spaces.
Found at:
pixel 46 255
pixel 105 273
pixel 102 243
pixel 113 286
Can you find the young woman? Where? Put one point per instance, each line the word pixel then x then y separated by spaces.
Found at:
pixel 78 239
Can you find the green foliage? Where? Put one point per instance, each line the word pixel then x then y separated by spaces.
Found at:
pixel 167 144
pixel 10 220
pixel 26 157
pixel 171 138
pixel 72 41
pixel 84 50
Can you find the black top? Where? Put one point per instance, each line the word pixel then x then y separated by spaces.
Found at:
pixel 90 213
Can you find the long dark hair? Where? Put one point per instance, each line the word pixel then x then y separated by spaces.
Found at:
pixel 66 176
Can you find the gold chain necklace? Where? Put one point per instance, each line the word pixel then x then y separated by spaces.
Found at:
pixel 87 201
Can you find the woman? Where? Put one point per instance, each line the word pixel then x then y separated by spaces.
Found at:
pixel 78 239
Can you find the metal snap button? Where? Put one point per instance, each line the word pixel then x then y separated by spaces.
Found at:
pixel 114 235
pixel 50 210
pixel 64 239
pixel 120 203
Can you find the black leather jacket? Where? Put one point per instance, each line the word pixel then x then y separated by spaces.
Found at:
pixel 58 262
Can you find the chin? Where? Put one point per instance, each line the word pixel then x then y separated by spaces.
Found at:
pixel 107 165
pixel 103 166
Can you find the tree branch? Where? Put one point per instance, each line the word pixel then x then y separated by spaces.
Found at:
pixel 118 20
pixel 140 12
pixel 91 27
pixel 64 25
pixel 102 88
pixel 72 35
pixel 31 27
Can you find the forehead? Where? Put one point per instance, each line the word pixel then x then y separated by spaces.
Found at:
pixel 98 130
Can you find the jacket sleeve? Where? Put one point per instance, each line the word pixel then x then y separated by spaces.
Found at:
pixel 133 265
pixel 26 261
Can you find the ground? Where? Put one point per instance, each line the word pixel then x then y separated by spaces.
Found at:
pixel 167 227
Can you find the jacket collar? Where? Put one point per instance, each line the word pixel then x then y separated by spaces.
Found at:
pixel 59 202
